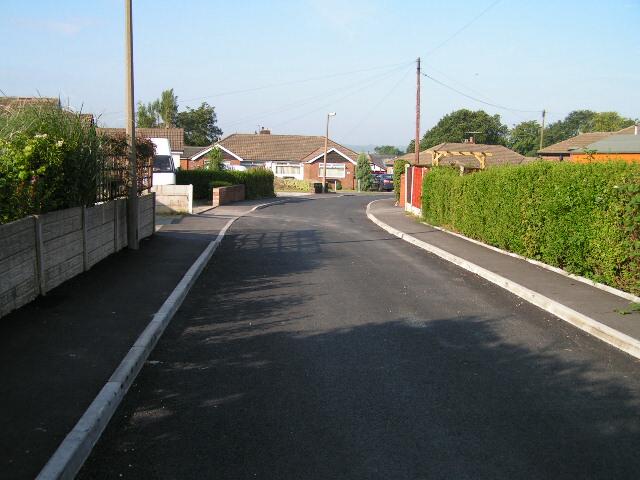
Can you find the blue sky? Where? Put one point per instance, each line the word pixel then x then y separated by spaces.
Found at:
pixel 315 56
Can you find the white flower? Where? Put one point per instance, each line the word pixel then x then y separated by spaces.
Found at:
pixel 59 143
pixel 41 135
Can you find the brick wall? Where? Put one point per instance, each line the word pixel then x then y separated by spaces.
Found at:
pixel 312 171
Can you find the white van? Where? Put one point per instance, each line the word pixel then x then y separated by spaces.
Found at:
pixel 164 170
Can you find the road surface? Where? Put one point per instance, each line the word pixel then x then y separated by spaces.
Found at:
pixel 317 346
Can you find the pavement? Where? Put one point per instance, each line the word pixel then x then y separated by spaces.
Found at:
pixel 316 345
pixel 609 309
pixel 57 352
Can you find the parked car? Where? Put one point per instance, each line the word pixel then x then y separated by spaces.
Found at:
pixel 383 183
pixel 164 170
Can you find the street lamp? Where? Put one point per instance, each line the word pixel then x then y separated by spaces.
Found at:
pixel 326 144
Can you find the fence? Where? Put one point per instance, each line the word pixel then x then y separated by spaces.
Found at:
pixel 114 179
pixel 38 253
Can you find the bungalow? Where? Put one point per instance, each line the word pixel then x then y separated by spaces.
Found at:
pixel 194 157
pixel 614 147
pixel 174 135
pixel 290 156
pixel 562 150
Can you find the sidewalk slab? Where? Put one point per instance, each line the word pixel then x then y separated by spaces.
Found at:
pixel 57 353
pixel 585 299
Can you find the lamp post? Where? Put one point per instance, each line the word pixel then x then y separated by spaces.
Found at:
pixel 324 163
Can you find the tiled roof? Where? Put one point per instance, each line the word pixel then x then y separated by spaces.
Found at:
pixel 617 144
pixel 574 143
pixel 190 152
pixel 174 135
pixel 581 141
pixel 280 148
pixel 500 155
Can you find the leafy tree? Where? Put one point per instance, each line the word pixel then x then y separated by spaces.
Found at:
pixel 363 173
pixel 147 116
pixel 168 108
pixel 609 122
pixel 214 160
pixel 524 138
pixel 387 150
pixel 411 147
pixel 574 123
pixel 199 125
pixel 455 127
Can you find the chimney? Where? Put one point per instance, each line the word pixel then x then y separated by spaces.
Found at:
pixel 265 131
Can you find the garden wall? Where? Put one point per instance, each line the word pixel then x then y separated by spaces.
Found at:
pixel 173 198
pixel 38 253
pixel 225 195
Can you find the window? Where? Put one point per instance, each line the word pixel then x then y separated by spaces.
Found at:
pixel 334 170
pixel 162 163
pixel 287 169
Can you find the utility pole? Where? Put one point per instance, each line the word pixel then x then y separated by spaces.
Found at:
pixel 132 211
pixel 544 114
pixel 325 188
pixel 417 140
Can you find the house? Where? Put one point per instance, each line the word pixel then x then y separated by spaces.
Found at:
pixel 381 163
pixel 194 157
pixel 467 156
pixel 290 156
pixel 11 103
pixel 174 135
pixel 562 150
pixel 614 147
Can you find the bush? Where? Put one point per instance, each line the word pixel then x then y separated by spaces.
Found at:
pixel 581 217
pixel 398 170
pixel 258 182
pixel 292 185
pixel 363 173
pixel 219 183
pixel 49 159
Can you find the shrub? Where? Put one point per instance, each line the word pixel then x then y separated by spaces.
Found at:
pixel 580 217
pixel 49 159
pixel 398 170
pixel 258 182
pixel 292 185
pixel 219 183
pixel 363 173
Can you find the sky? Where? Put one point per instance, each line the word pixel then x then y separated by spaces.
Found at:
pixel 284 65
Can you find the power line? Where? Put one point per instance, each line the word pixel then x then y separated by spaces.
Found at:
pixel 477 99
pixel 380 102
pixel 464 27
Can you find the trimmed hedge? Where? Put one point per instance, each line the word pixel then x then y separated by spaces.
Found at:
pixel 258 182
pixel 584 218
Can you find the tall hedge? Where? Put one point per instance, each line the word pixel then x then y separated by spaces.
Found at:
pixel 584 218
pixel 398 171
pixel 258 182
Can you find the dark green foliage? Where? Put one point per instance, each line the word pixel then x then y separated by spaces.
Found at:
pixel 258 182
pixel 455 127
pixel 524 138
pixel 214 160
pixel 159 113
pixel 199 125
pixel 581 217
pixel 219 183
pixel 387 150
pixel 49 159
pixel 363 173
pixel 398 170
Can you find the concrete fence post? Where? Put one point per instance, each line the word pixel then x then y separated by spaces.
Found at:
pixel 85 250
pixel 40 256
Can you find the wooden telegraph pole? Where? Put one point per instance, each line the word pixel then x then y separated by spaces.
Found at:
pixel 132 211
pixel 417 140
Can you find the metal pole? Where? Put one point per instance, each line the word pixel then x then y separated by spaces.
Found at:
pixel 132 213
pixel 324 163
pixel 417 140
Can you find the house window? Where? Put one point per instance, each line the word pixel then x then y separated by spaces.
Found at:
pixel 334 170
pixel 287 169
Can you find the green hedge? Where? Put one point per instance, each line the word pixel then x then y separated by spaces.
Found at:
pixel 584 218
pixel 398 171
pixel 258 182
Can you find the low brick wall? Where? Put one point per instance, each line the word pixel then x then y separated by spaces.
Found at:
pixel 225 195
pixel 39 252
pixel 173 198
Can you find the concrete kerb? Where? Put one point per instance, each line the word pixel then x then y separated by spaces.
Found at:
pixel 77 445
pixel 599 330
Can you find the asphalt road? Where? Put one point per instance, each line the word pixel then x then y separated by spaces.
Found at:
pixel 316 346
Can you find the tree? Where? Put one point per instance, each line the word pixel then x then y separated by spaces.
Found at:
pixel 609 122
pixel 214 160
pixel 387 150
pixel 147 115
pixel 524 138
pixel 199 125
pixel 168 108
pixel 457 125
pixel 363 173
pixel 574 123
